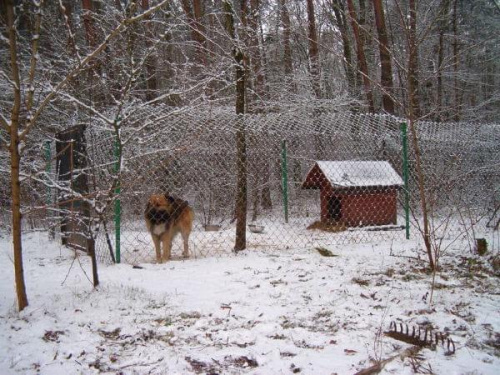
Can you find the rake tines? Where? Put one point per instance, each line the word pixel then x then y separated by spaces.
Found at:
pixel 421 337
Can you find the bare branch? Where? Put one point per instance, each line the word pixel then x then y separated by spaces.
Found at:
pixel 4 123
pixel 16 81
pixel 71 34
pixel 87 107
pixel 124 24
pixel 34 55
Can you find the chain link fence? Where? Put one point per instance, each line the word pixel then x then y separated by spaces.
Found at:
pixel 315 177
pixel 36 188
pixel 461 172
pixel 193 156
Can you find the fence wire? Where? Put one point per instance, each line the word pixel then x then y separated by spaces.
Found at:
pixel 315 177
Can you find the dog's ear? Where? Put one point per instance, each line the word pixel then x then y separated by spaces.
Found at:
pixel 178 205
pixel 169 198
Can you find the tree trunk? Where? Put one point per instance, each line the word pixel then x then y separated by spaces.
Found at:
pixel 255 54
pixel 339 11
pixel 260 92
pixel 413 113
pixel 88 23
pixel 150 63
pixel 245 35
pixel 68 14
pixel 363 66
pixel 194 15
pixel 363 33
pixel 413 84
pixel 241 153
pixel 456 63
pixel 421 189
pixel 22 299
pixel 385 58
pixel 439 78
pixel 313 49
pixel 443 27
pixel 287 49
pixel 15 162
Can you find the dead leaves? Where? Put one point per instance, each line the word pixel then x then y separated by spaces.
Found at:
pixel 216 366
pixel 52 336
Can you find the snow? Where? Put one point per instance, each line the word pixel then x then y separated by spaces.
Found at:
pixel 360 173
pixel 258 312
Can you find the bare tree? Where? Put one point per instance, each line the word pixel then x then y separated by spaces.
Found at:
pixel 456 63
pixel 90 32
pixel 25 111
pixel 287 49
pixel 413 83
pixel 241 157
pixel 360 49
pixel 385 58
pixel 194 14
pixel 151 63
pixel 338 9
pixel 313 49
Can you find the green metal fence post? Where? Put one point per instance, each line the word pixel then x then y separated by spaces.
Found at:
pixel 118 207
pixel 404 137
pixel 284 175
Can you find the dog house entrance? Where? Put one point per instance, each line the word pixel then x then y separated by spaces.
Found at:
pixel 334 207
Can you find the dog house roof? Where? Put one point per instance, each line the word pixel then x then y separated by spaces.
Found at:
pixel 349 173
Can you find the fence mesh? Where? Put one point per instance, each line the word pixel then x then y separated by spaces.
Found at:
pixel 194 157
pixel 462 180
pixel 315 177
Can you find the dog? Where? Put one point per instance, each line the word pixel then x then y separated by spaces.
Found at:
pixel 165 217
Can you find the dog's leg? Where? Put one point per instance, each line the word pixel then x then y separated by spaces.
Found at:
pixel 156 241
pixel 185 229
pixel 166 240
pixel 185 239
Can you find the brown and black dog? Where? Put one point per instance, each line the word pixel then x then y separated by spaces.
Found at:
pixel 165 217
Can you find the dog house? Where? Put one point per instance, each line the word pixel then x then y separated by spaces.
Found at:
pixel 355 193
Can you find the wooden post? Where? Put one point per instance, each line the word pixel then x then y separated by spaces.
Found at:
pixel 91 252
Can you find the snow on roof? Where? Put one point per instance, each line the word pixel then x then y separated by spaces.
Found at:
pixel 359 173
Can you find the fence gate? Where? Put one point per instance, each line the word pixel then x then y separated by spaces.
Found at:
pixel 71 162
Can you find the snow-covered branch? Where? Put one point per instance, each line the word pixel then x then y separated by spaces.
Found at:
pixel 91 56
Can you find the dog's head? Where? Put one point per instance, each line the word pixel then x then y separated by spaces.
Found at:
pixel 159 201
pixel 163 208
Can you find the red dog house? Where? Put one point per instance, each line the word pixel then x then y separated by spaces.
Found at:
pixel 355 193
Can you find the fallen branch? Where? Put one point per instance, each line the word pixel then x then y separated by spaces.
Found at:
pixel 376 368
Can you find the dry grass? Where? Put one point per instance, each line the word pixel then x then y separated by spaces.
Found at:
pixel 327 227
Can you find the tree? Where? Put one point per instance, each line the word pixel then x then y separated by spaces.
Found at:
pixel 385 58
pixel 25 111
pixel 313 49
pixel 413 43
pixel 287 50
pixel 194 14
pixel 338 9
pixel 88 23
pixel 241 203
pixel 151 63
pixel 360 52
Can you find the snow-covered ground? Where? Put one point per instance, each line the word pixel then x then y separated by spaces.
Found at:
pixel 258 312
